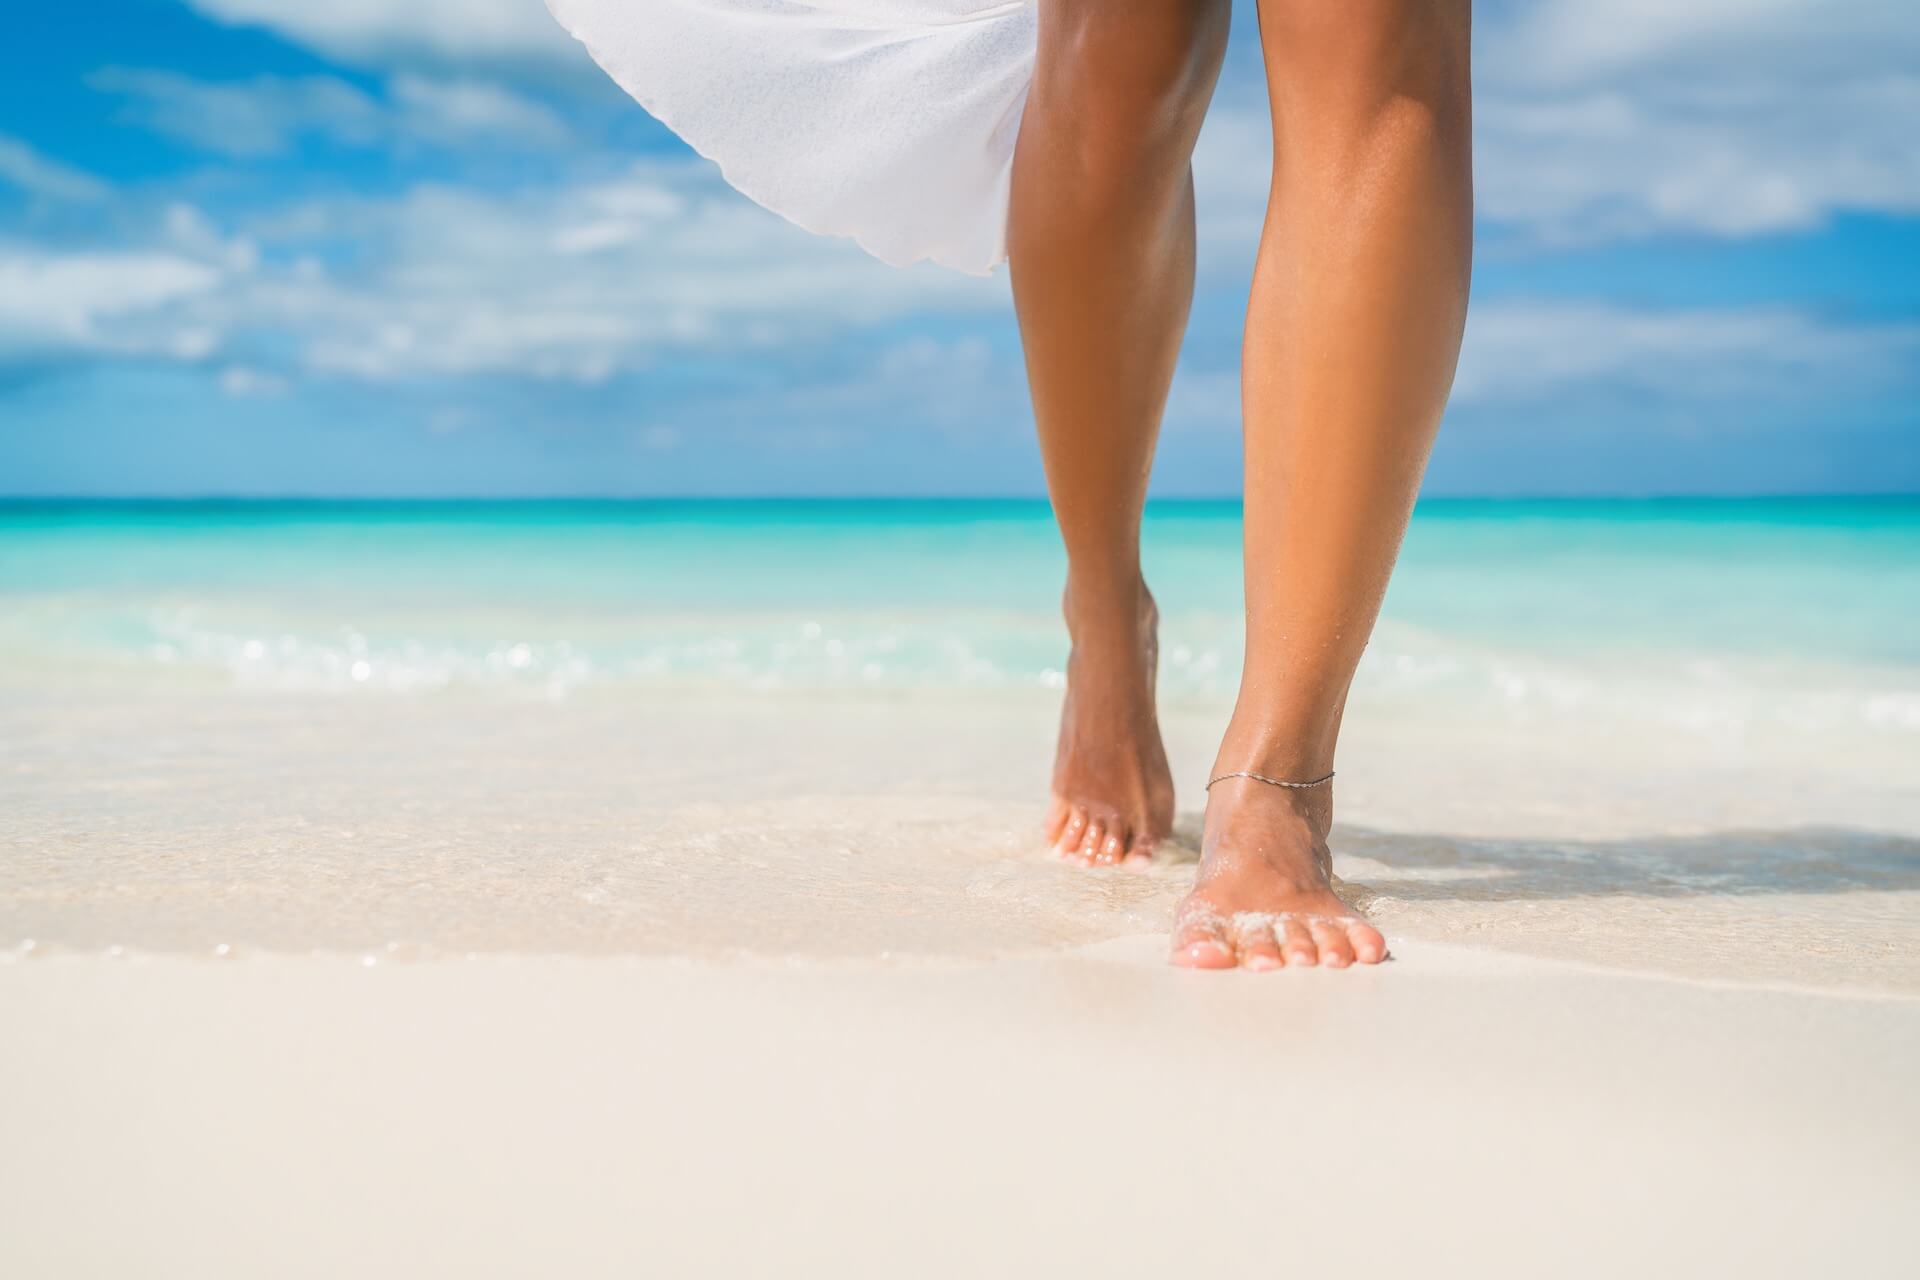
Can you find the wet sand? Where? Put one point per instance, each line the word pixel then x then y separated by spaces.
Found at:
pixel 797 826
pixel 509 986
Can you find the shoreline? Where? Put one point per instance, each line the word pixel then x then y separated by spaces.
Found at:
pixel 448 824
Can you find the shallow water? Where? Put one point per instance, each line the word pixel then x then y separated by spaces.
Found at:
pixel 1663 735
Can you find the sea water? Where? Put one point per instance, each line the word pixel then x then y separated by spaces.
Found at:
pixel 1581 701
pixel 940 594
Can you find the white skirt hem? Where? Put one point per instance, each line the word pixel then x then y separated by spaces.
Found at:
pixel 891 124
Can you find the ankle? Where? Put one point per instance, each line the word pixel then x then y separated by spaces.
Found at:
pixel 1108 606
pixel 1294 749
pixel 1249 821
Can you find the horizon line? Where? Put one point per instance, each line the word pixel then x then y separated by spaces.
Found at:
pixel 24 499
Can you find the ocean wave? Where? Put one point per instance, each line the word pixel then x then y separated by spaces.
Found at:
pixel 1407 668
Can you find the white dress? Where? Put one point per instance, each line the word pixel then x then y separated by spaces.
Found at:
pixel 890 121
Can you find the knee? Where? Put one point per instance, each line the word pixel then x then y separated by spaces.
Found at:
pixel 1133 76
pixel 1367 51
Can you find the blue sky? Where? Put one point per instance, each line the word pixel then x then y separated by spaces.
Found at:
pixel 385 248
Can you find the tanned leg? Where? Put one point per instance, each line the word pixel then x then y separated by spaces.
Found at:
pixel 1100 243
pixel 1359 297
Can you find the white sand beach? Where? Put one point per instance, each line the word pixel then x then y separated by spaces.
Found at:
pixel 1090 1112
pixel 571 890
pixel 501 986
pixel 536 623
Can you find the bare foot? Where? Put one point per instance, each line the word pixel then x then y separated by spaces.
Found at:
pixel 1112 790
pixel 1263 897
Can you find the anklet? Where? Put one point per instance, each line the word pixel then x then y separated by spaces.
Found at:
pixel 1272 782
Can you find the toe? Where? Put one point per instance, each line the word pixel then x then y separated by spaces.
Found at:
pixel 1296 943
pixel 1139 854
pixel 1071 833
pixel 1089 852
pixel 1055 823
pixel 1368 946
pixel 1200 942
pixel 1331 938
pixel 1112 849
pixel 1258 947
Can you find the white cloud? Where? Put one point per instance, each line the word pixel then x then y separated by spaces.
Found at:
pixel 35 174
pixel 1206 399
pixel 243 382
pixel 960 388
pixel 267 115
pixel 186 230
pixel 1232 164
pixel 586 281
pixel 457 111
pixel 1529 350
pixel 943 382
pixel 1596 119
pixel 1583 135
pixel 1548 351
pixel 54 302
pixel 1577 44
pixel 578 282
pixel 1728 160
pixel 1599 120
pixel 386 33
pixel 244 119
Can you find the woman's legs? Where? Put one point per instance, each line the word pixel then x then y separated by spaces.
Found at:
pixel 1359 296
pixel 1100 245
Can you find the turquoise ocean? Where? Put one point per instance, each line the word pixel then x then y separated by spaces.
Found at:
pixel 1711 606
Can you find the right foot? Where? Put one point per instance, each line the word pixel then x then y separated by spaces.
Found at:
pixel 1263 896
pixel 1112 790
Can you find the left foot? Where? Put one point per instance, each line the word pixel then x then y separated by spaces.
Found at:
pixel 1112 790
pixel 1263 897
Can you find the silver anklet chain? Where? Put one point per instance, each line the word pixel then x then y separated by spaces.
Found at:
pixel 1272 782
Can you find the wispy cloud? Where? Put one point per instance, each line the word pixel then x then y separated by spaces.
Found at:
pixel 270 115
pixel 25 168
pixel 1535 352
pixel 53 303
pixel 1597 120
pixel 382 33
pixel 244 119
pixel 591 279
pixel 531 271
pixel 1603 119
pixel 244 382
pixel 579 282
pixel 461 111
pixel 1529 351
pixel 1609 120
pixel 1580 43
pixel 1725 159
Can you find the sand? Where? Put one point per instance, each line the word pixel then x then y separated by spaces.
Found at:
pixel 841 827
pixel 1090 1112
pixel 504 986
